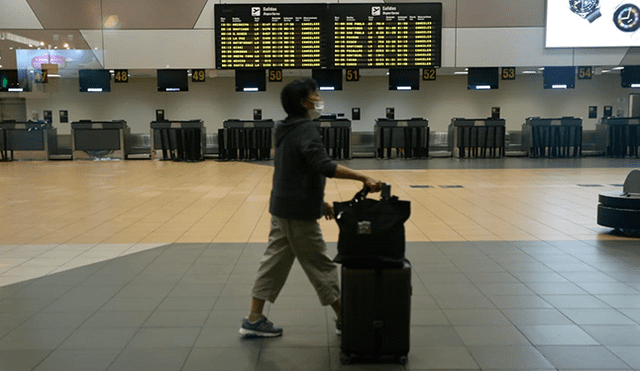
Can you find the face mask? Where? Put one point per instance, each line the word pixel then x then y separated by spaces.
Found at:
pixel 316 112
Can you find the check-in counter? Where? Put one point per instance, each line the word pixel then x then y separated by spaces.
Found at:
pixel 618 136
pixel 99 139
pixel 336 135
pixel 410 138
pixel 245 140
pixel 477 138
pixel 178 140
pixel 552 137
pixel 33 140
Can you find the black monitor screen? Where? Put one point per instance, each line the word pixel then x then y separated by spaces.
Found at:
pixel 328 79
pixel 251 80
pixel 559 77
pixel 173 80
pixel 93 81
pixel 404 79
pixel 483 78
pixel 630 77
pixel 14 81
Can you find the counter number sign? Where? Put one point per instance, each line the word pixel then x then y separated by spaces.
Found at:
pixel 121 76
pixel 275 75
pixel 429 74
pixel 584 73
pixel 352 74
pixel 508 73
pixel 41 77
pixel 198 75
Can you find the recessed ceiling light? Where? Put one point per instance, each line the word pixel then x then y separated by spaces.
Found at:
pixel 617 68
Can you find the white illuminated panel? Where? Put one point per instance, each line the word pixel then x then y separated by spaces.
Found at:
pixel 617 25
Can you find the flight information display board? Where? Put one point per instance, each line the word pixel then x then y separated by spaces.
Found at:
pixel 380 35
pixel 371 35
pixel 270 35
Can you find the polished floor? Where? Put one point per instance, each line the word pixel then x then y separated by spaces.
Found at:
pixel 143 265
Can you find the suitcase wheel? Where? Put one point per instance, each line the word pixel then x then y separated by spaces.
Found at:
pixel 403 360
pixel 346 359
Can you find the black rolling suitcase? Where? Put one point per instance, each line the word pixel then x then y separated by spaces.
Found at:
pixel 376 277
pixel 376 313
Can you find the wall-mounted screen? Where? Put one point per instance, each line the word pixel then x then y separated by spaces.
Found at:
pixel 14 81
pixel 173 80
pixel 270 35
pixel 94 81
pixel 483 78
pixel 251 80
pixel 369 35
pixel 592 23
pixel 385 35
pixel 630 77
pixel 559 77
pixel 404 79
pixel 328 79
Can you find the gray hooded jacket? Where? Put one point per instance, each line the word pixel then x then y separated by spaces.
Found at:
pixel 301 167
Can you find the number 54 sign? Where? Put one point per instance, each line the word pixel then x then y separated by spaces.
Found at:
pixel 584 73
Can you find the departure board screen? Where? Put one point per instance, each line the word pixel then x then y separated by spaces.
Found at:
pixel 270 35
pixel 385 35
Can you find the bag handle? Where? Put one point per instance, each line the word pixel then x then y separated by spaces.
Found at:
pixel 361 195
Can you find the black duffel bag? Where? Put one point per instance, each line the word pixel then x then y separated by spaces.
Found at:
pixel 371 231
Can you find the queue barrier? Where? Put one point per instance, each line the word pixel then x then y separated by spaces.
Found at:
pixel 621 136
pixel 178 140
pixel 477 138
pixel 336 136
pixel 245 140
pixel 552 137
pixel 410 138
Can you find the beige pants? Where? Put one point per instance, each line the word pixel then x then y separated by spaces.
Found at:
pixel 290 239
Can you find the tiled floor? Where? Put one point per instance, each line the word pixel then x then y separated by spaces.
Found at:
pixel 148 266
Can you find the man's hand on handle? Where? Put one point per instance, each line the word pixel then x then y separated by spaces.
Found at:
pixel 373 184
pixel 328 211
